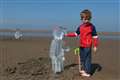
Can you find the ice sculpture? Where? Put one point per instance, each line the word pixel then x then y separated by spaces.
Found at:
pixel 57 50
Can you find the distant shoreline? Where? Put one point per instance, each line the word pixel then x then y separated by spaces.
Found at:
pixel 25 30
pixel 42 30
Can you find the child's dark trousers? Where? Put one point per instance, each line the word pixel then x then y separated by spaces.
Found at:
pixel 85 59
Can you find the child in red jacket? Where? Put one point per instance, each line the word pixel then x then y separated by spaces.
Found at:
pixel 88 35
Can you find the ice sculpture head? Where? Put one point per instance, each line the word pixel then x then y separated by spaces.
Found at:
pixel 58 33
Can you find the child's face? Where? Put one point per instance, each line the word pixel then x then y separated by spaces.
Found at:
pixel 84 18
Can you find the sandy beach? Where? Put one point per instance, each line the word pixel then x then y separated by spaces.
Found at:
pixel 29 60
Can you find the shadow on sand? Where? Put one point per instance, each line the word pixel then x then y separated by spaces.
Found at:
pixel 95 67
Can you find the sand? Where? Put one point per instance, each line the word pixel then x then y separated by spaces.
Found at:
pixel 29 60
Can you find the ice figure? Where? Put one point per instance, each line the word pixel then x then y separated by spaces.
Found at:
pixel 17 34
pixel 57 50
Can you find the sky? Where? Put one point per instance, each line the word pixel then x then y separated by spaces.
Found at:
pixel 47 14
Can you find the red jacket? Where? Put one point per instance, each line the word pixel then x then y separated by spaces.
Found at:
pixel 87 34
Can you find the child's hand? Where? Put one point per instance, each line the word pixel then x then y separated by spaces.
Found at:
pixel 95 49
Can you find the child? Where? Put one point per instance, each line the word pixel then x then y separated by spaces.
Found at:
pixel 88 35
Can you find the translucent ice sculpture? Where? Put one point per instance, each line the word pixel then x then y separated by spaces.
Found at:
pixel 17 34
pixel 57 50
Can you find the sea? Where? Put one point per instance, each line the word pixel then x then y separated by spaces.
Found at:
pixel 33 35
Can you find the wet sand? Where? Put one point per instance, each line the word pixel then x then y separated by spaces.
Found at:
pixel 29 60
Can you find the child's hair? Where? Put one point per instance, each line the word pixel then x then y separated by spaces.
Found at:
pixel 86 14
